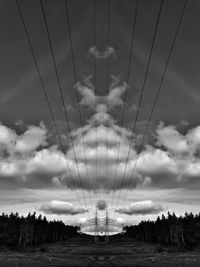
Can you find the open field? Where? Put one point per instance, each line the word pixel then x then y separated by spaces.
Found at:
pixel 78 253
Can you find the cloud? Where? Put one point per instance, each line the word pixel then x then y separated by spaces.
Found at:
pixel 115 95
pixel 101 116
pixel 7 139
pixel 102 151
pixel 61 208
pixel 19 122
pixel 141 207
pixel 29 141
pixel 114 225
pixel 177 143
pixel 165 166
pixel 170 138
pixel 40 165
pixel 110 101
pixel 29 159
pixel 184 122
pixel 110 51
pixel 33 138
pixel 101 205
pixel 88 97
pixel 90 229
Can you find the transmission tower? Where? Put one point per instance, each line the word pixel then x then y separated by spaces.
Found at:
pixel 96 231
pixel 106 228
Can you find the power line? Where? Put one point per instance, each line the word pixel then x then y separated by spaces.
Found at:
pixel 108 73
pixel 45 93
pixel 125 96
pixel 95 72
pixel 108 79
pixel 61 95
pixel 77 93
pixel 159 89
pixel 141 95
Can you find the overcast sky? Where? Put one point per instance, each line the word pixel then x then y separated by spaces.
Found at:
pixel 34 173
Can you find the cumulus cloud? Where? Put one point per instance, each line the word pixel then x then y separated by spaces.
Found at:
pixel 36 166
pixel 28 160
pixel 61 208
pixel 115 95
pixel 141 208
pixel 7 139
pixel 88 97
pixel 110 101
pixel 33 138
pixel 166 166
pixel 25 159
pixel 102 151
pixel 170 138
pixel 175 142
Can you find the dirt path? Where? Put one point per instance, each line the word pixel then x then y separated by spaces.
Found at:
pixel 126 254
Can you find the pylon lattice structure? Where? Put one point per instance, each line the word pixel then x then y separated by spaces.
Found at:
pixel 107 228
pixel 101 223
pixel 96 230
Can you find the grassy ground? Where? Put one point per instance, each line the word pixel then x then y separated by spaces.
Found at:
pixel 77 253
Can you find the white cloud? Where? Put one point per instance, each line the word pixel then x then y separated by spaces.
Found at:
pixel 61 208
pixel 7 139
pixel 88 97
pixel 177 143
pixel 102 103
pixel 141 207
pixel 110 51
pixel 172 139
pixel 114 225
pixel 101 116
pixel 28 160
pixel 115 95
pixel 33 138
pixel 29 141
pixel 48 167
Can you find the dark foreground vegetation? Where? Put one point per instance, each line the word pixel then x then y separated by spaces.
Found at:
pixel 76 252
pixel 37 242
pixel 183 231
pixel 18 231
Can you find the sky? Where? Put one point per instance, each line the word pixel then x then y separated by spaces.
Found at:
pixel 102 167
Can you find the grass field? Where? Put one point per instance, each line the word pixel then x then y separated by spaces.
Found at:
pixel 78 253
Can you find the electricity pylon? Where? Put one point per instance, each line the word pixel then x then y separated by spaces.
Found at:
pixel 96 231
pixel 107 228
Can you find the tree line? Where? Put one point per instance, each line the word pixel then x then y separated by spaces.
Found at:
pixel 20 231
pixel 183 231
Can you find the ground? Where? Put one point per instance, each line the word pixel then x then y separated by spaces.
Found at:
pixel 126 253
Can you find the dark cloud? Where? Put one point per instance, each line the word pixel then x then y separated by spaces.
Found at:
pixel 101 205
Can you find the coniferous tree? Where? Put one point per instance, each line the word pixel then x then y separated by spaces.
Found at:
pixel 170 230
pixel 32 230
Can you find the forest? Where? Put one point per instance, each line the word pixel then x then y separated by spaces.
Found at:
pixel 170 230
pixel 19 231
